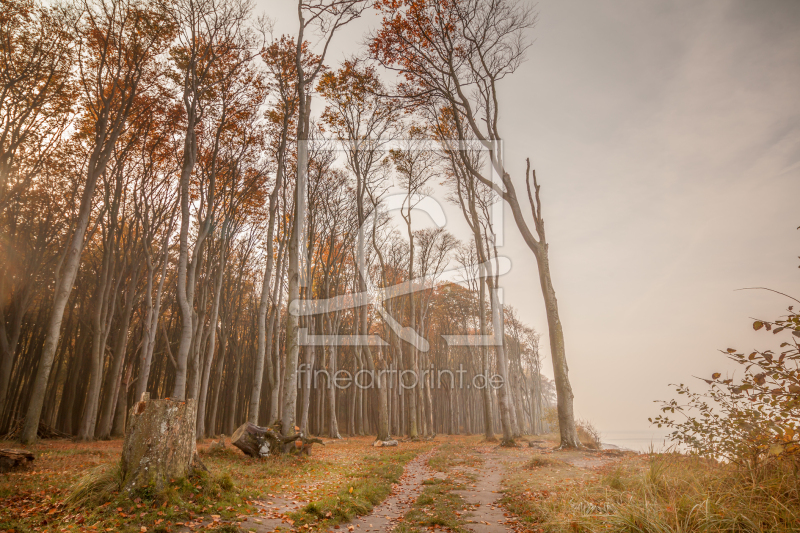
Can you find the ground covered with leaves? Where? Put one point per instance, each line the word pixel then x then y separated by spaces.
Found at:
pixel 343 478
pixel 539 489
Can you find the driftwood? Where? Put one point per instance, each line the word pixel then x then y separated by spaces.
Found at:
pixel 257 441
pixel 160 442
pixel 11 459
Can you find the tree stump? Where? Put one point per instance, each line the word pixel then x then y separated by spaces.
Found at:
pixel 160 442
pixel 257 441
pixel 11 459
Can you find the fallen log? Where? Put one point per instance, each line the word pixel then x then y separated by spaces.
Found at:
pixel 383 443
pixel 12 459
pixel 257 441
pixel 303 445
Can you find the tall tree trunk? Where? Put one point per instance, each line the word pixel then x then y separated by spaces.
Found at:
pixel 101 323
pixel 121 411
pixel 118 359
pixel 64 284
pixel 233 398
pixel 208 360
pixel 503 392
pixel 212 419
pixel 151 318
pixel 289 418
pixel 185 290
pixel 309 359
pixel 566 417
pixel 262 340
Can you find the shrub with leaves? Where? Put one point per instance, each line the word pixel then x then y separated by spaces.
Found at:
pixel 749 420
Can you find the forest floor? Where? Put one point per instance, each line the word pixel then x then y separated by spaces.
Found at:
pixel 452 483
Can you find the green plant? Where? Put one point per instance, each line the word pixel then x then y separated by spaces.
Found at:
pixel 750 420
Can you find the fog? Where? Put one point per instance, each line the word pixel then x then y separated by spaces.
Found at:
pixel 666 138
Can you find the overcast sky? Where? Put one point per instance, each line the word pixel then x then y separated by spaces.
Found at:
pixel 666 138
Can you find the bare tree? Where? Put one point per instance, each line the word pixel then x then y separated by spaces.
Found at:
pixel 327 17
pixel 452 57
pixel 37 89
pixel 213 41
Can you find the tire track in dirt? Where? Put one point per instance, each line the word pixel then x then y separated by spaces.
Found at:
pixel 483 496
pixel 385 516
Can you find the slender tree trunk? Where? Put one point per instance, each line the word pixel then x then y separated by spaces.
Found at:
pixel 118 359
pixel 289 418
pixel 101 322
pixel 9 342
pixel 212 341
pixel 212 419
pixel 121 410
pixel 566 417
pixel 151 319
pixel 308 372
pixel 184 292
pixel 333 423
pixel 230 420
pixel 64 285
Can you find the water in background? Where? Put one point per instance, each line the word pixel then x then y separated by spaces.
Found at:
pixel 637 440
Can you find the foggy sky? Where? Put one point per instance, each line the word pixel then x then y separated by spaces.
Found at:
pixel 666 139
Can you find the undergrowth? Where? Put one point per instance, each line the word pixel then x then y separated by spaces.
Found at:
pixel 662 493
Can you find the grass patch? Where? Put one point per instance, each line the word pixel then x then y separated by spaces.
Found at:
pixel 451 455
pixel 437 506
pixel 98 486
pixel 35 499
pixel 540 461
pixel 95 501
pixel 361 491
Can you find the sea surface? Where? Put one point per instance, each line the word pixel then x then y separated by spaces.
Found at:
pixel 637 440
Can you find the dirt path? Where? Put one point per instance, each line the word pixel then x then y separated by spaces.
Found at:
pixel 384 517
pixel 484 495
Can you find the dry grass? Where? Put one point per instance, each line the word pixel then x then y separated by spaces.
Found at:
pixel 657 493
pixel 588 434
pixel 540 461
pixel 98 486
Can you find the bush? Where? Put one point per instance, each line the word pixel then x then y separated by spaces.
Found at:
pixel 540 461
pixel 751 420
pixel 550 417
pixel 588 434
